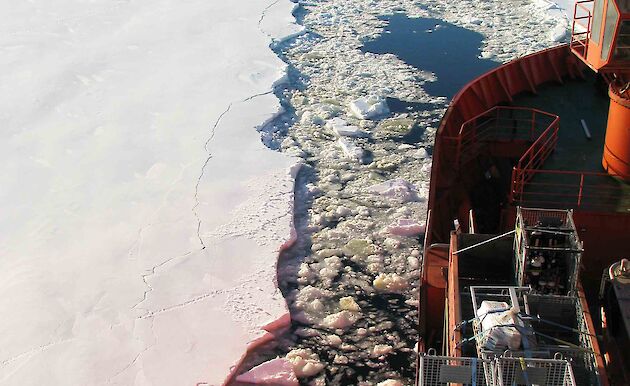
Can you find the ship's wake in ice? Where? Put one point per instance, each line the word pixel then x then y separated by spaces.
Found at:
pixel 366 93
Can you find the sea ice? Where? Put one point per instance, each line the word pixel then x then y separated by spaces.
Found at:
pixel 342 128
pixel 382 349
pixel 390 382
pixel 334 78
pixel 305 362
pixel 369 107
pixel 390 282
pixel 351 149
pixel 397 189
pixel 141 214
pixel 278 372
pixel 342 319
pixel 406 227
pixel 348 303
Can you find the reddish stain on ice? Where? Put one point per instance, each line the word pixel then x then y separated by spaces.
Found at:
pixel 406 227
pixel 277 371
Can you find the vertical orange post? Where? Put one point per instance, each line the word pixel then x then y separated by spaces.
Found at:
pixel 616 159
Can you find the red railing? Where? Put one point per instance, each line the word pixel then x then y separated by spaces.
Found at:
pixel 581 29
pixel 534 157
pixel 506 124
pixel 568 189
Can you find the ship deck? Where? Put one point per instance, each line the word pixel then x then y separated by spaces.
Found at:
pixel 577 156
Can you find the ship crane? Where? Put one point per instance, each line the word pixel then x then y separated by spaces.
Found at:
pixel 601 39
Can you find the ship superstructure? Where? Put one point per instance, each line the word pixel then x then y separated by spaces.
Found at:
pixel 529 204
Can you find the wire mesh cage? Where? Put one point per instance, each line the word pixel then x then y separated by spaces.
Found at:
pixel 539 326
pixel 547 250
pixel 444 371
pixel 498 325
pixel 503 371
pixel 522 371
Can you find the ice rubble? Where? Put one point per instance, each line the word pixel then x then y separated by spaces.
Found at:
pixel 397 189
pixel 369 107
pixel 406 227
pixel 130 155
pixel 390 382
pixel 341 127
pixel 369 194
pixel 305 362
pixel 390 282
pixel 278 372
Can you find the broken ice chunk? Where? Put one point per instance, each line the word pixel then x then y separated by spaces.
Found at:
pixel 305 362
pixel 359 247
pixel 406 227
pixel 390 282
pixel 369 107
pixel 348 303
pixel 341 128
pixel 277 371
pixel 309 117
pixel 422 153
pixel 396 188
pixel 340 360
pixel 559 32
pixel 342 319
pixel 382 349
pixel 334 340
pixel 350 149
pixel 390 382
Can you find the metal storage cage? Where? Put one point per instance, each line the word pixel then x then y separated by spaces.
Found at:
pixel 504 371
pixel 443 371
pixel 547 251
pixel 521 371
pixel 548 327
pixel 513 299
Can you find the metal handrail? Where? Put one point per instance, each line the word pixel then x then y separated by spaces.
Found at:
pixel 492 126
pixel 579 193
pixel 581 38
pixel 535 156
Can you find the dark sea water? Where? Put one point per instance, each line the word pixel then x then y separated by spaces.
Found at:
pixel 449 51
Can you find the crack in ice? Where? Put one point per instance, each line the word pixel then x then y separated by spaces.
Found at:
pixel 203 168
pixel 152 314
pixel 32 351
pixel 151 273
pixel 262 17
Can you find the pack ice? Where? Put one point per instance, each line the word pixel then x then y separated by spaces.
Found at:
pixel 141 214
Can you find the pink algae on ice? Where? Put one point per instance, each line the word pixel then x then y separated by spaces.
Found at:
pixel 406 227
pixel 277 371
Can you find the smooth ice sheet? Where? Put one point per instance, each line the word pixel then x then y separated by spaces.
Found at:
pixel 141 214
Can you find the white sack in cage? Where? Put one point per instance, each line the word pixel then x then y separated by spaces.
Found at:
pixel 494 316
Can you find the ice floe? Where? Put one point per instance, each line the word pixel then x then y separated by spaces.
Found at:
pixel 278 372
pixel 406 227
pixel 369 107
pixel 397 189
pixel 305 362
pixel 130 161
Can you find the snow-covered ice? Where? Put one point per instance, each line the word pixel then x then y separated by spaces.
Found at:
pixel 276 372
pixel 141 214
pixel 369 107
pixel 342 128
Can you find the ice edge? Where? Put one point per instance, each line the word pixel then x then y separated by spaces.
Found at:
pixel 271 329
